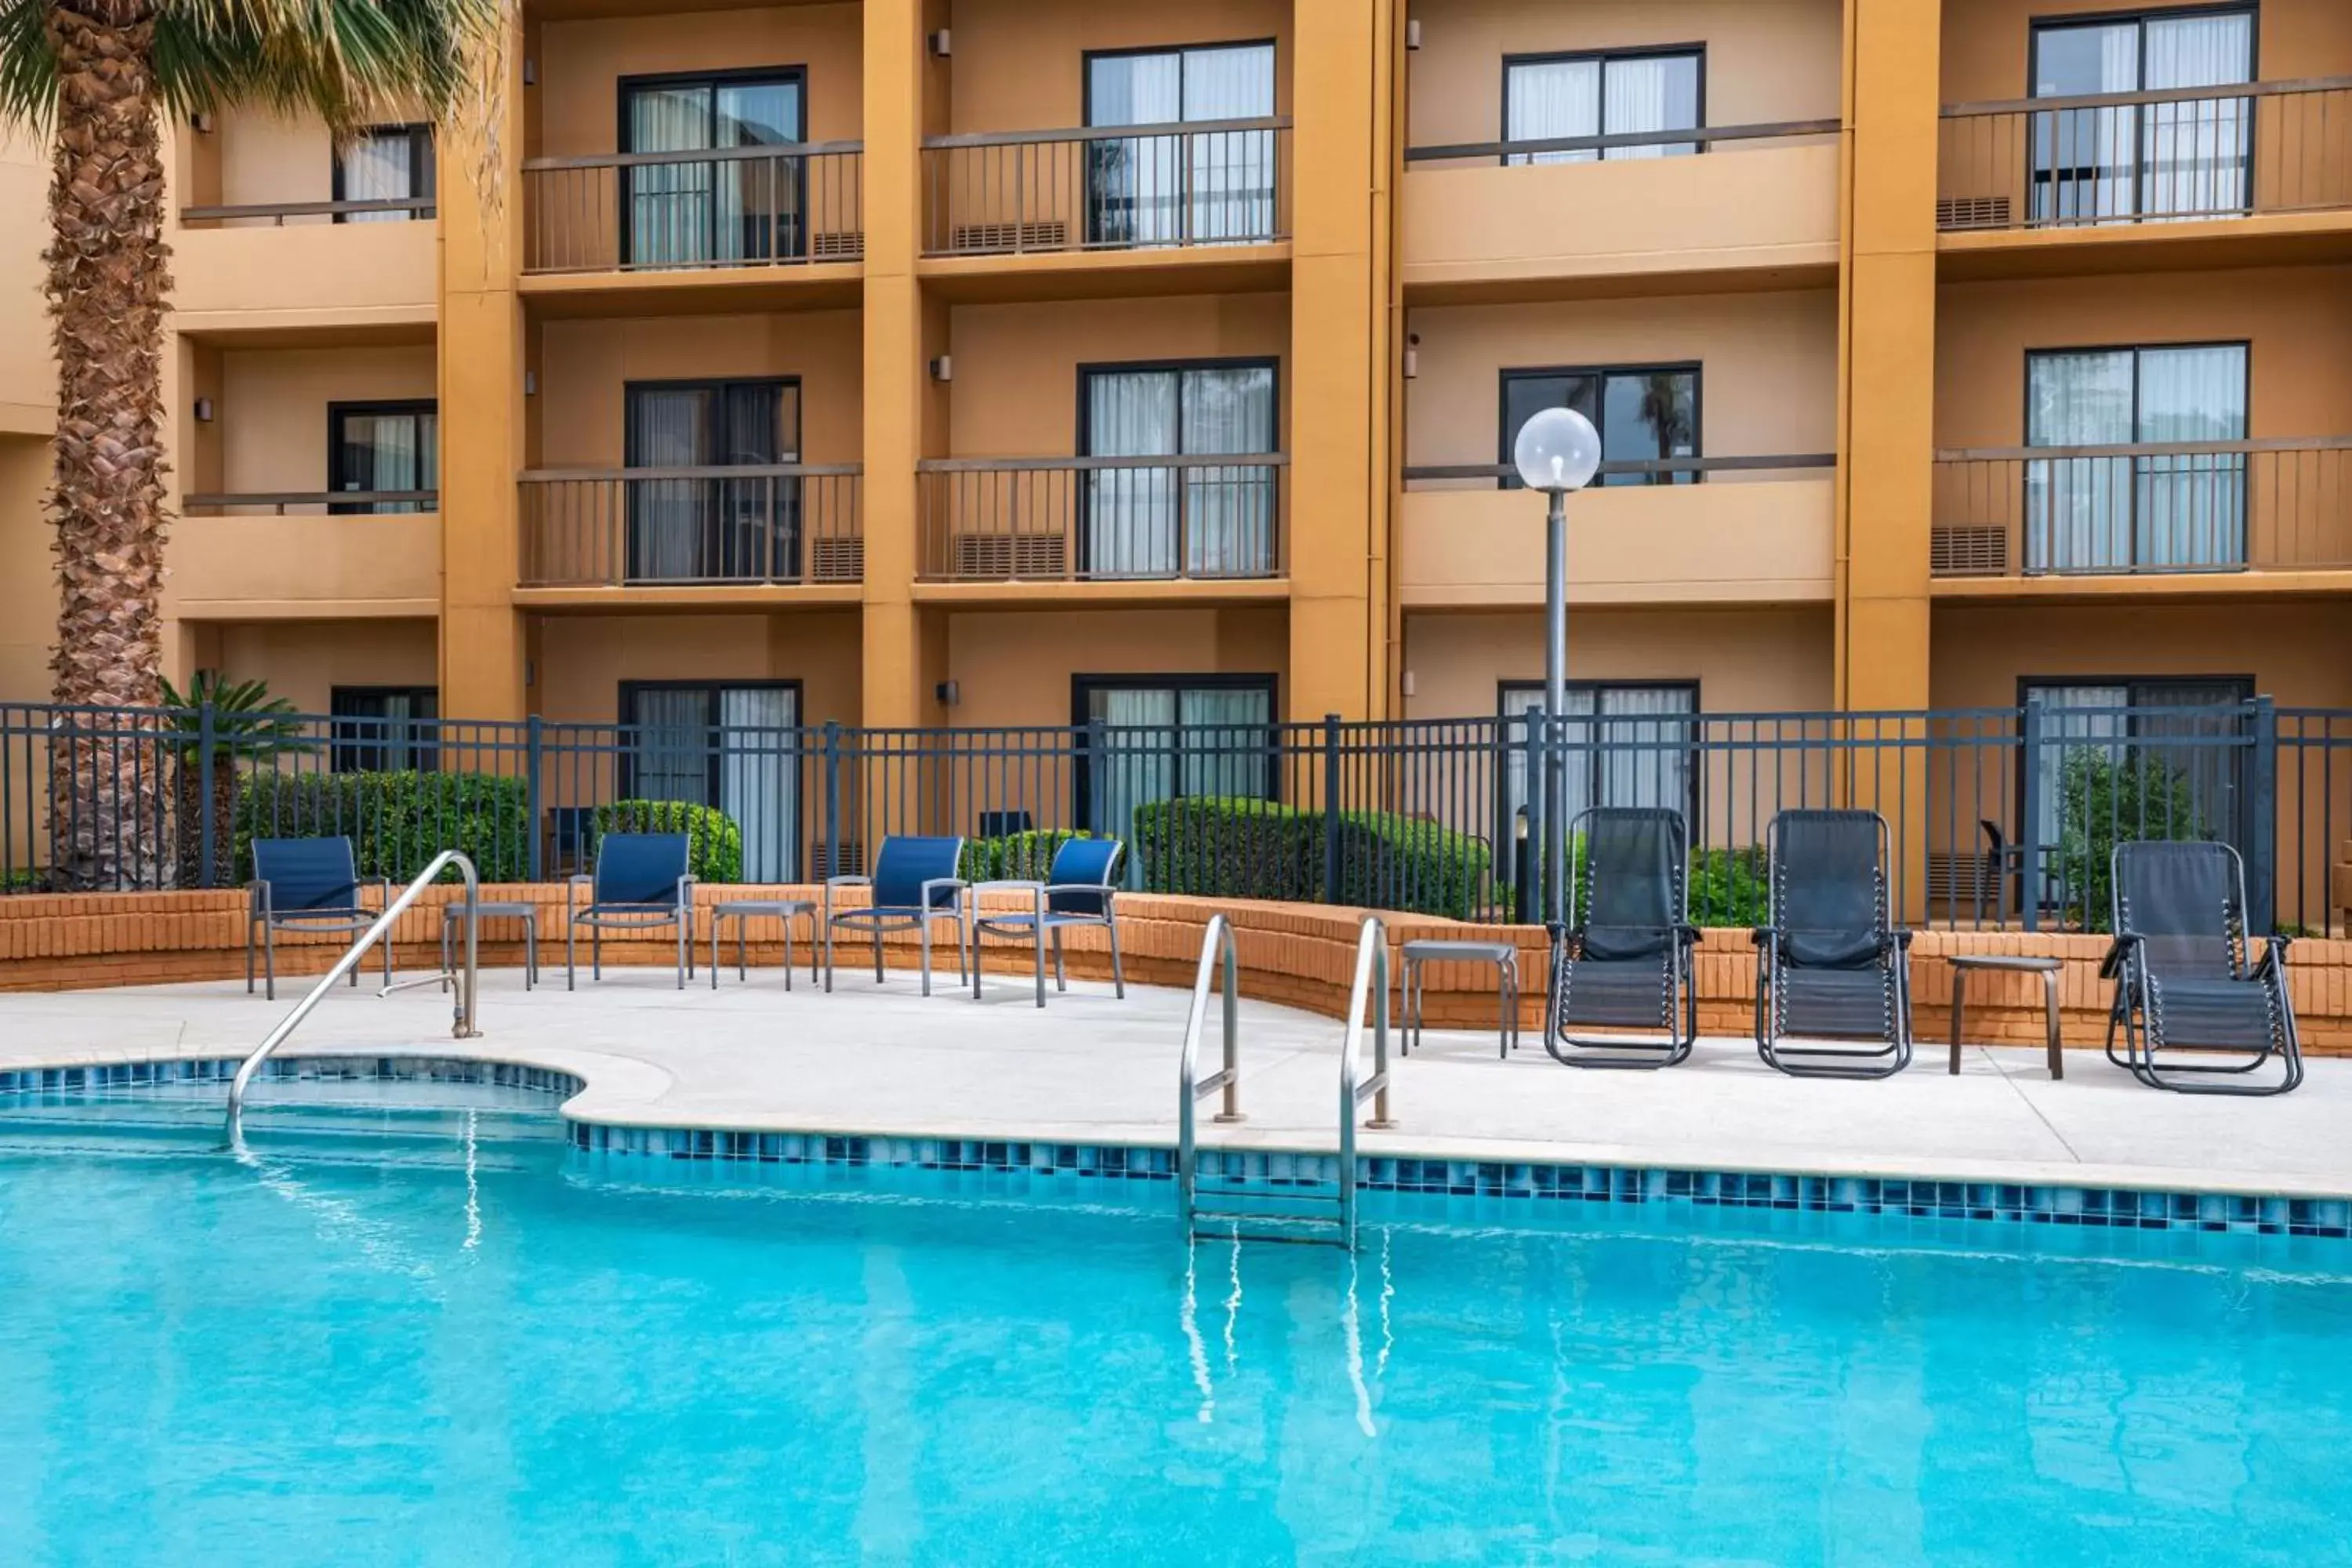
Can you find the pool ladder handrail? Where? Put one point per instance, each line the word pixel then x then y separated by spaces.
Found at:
pixel 462 1026
pixel 1370 984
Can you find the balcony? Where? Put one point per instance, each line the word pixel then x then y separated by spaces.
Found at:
pixel 1743 531
pixel 785 525
pixel 280 555
pixel 2205 516
pixel 668 219
pixel 1103 521
pixel 300 264
pixel 1560 216
pixel 2118 171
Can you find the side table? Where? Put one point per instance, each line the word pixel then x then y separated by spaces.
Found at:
pixel 1964 965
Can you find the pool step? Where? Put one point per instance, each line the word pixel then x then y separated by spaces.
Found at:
pixel 1272 1222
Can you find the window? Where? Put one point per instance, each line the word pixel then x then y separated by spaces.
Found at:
pixel 1643 413
pixel 2106 163
pixel 699 211
pixel 703 528
pixel 382 447
pixel 384 163
pixel 2185 738
pixel 2118 513
pixel 1638 747
pixel 1163 737
pixel 1209 521
pixel 384 729
pixel 734 746
pixel 1185 188
pixel 1552 96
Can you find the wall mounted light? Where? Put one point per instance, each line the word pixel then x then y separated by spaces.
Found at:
pixel 940 44
pixel 1411 364
pixel 530 384
pixel 530 72
pixel 203 410
pixel 203 122
pixel 943 368
pixel 1408 683
pixel 949 692
pixel 1412 34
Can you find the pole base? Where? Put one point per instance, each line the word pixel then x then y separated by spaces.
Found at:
pixel 1382 1124
pixel 1227 1118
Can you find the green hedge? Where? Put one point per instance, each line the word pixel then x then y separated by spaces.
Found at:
pixel 1015 856
pixel 714 843
pixel 1247 848
pixel 396 821
pixel 1728 888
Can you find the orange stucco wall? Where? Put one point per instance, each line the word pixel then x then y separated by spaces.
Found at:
pixel 583 659
pixel 303 661
pixel 581 64
pixel 1986 43
pixel 1745 660
pixel 1015 667
pixel 270 413
pixel 1019 65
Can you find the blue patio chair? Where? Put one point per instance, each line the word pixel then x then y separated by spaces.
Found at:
pixel 640 883
pixel 1079 890
pixel 915 884
pixel 306 884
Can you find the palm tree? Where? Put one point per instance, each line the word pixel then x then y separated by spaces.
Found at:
pixel 96 77
pixel 247 726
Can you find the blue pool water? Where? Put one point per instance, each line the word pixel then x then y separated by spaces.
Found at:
pixel 448 1338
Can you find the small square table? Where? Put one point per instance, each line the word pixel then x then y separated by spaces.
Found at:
pixel 1502 955
pixel 453 920
pixel 741 910
pixel 1965 963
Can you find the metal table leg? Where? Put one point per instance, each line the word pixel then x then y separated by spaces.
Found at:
pixel 2050 1011
pixel 1960 1006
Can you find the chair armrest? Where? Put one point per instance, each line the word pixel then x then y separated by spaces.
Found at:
pixel 256 899
pixel 2118 950
pixel 852 881
pixel 2274 950
pixel 1688 932
pixel 686 892
pixel 572 884
pixel 1902 936
pixel 927 896
pixel 1008 884
pixel 1763 936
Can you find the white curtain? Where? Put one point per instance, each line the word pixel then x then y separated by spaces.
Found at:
pixel 758 777
pixel 1131 512
pixel 378 167
pixel 1656 92
pixel 1138 763
pixel 1135 183
pixel 1229 512
pixel 669 429
pixel 2192 509
pixel 2194 157
pixel 398 450
pixel 1550 99
pixel 2083 157
pixel 2078 510
pixel 1645 737
pixel 671 211
pixel 1231 172
pixel 1224 739
pixel 672 754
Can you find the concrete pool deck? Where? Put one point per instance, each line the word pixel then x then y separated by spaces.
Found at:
pixel 1092 1069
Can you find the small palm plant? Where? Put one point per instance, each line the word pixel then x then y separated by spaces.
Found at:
pixel 246 725
pixel 94 78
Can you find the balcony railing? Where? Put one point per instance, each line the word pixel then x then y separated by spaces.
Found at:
pixel 2146 157
pixel 285 504
pixel 1062 519
pixel 1651 143
pixel 727 206
pixel 1628 472
pixel 782 522
pixel 2159 508
pixel 390 209
pixel 1129 187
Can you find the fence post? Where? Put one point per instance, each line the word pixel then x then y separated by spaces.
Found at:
pixel 534 803
pixel 1527 847
pixel 204 802
pixel 2261 820
pixel 1330 808
pixel 2029 826
pixel 833 798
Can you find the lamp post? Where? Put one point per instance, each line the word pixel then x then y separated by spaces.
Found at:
pixel 1557 451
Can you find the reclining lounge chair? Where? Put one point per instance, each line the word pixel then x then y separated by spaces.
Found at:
pixel 1832 964
pixel 1623 962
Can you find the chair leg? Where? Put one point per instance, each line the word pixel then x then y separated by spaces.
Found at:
pixel 268 962
pixel 530 952
pixel 387 962
pixel 1118 975
pixel 685 950
pixel 788 952
pixel 714 953
pixel 827 945
pixel 571 954
pixel 924 940
pixel 1061 974
pixel 2050 1022
pixel 878 953
pixel 248 958
pixel 1040 957
pixel 596 953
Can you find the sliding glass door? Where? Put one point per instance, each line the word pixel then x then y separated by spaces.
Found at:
pixel 1190 187
pixel 381 447
pixel 703 212
pixel 2174 512
pixel 1158 737
pixel 705 528
pixel 2188 157
pixel 1151 521
pixel 1631 744
pixel 384 163
pixel 735 746
pixel 1548 96
pixel 1644 413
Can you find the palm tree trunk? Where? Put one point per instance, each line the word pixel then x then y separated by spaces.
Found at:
pixel 106 286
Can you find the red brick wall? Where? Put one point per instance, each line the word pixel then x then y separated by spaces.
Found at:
pixel 1303 955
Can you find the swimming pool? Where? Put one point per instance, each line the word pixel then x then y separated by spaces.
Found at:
pixel 446 1336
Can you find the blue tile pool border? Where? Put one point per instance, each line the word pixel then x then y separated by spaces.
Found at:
pixel 1274 1175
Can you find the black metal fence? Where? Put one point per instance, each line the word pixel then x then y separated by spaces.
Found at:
pixel 2001 817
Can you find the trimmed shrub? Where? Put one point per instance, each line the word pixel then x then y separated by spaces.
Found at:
pixel 1728 887
pixel 396 821
pixel 2104 800
pixel 1015 856
pixel 1247 848
pixel 714 851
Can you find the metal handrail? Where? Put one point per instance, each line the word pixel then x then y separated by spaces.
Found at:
pixel 1216 943
pixel 1371 976
pixel 1675 136
pixel 282 498
pixel 1107 132
pixel 697 155
pixel 1090 465
pixel 1742 465
pixel 696 471
pixel 281 211
pixel 2148 449
pixel 2137 100
pixel 462 1025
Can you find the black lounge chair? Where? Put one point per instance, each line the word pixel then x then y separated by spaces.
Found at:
pixel 2182 979
pixel 1624 961
pixel 641 883
pixel 1832 964
pixel 916 883
pixel 306 884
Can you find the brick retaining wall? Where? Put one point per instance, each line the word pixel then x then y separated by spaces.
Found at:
pixel 1298 954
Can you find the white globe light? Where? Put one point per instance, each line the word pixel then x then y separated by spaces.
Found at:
pixel 1557 449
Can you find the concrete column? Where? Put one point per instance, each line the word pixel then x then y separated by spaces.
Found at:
pixel 482 448
pixel 1343 370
